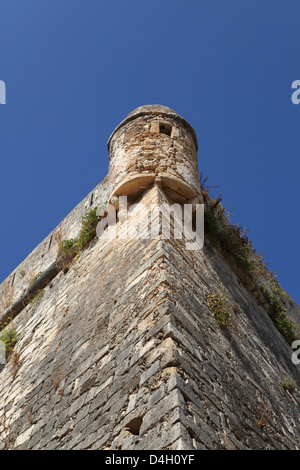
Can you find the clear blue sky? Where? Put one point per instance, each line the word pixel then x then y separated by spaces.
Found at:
pixel 75 68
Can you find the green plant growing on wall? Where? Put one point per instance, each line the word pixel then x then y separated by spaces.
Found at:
pixel 279 317
pixel 36 277
pixel 289 384
pixel 212 229
pixel 88 228
pixel 227 237
pixel 233 240
pixel 240 246
pixel 273 286
pixel 220 307
pixel 9 337
pixel 36 300
pixel 69 246
pixel 87 233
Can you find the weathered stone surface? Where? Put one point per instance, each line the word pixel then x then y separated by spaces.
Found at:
pixel 123 352
pixel 153 142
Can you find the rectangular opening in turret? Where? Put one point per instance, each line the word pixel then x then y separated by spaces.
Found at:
pixel 165 128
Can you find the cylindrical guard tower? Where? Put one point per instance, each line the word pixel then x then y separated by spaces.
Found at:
pixel 154 144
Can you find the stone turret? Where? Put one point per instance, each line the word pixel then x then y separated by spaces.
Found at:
pixel 154 144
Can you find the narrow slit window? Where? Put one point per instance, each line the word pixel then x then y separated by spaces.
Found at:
pixel 50 242
pixel 91 199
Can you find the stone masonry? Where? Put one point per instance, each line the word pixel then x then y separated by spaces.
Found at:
pixel 122 352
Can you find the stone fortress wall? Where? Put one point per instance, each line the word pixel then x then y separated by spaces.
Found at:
pixel 122 352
